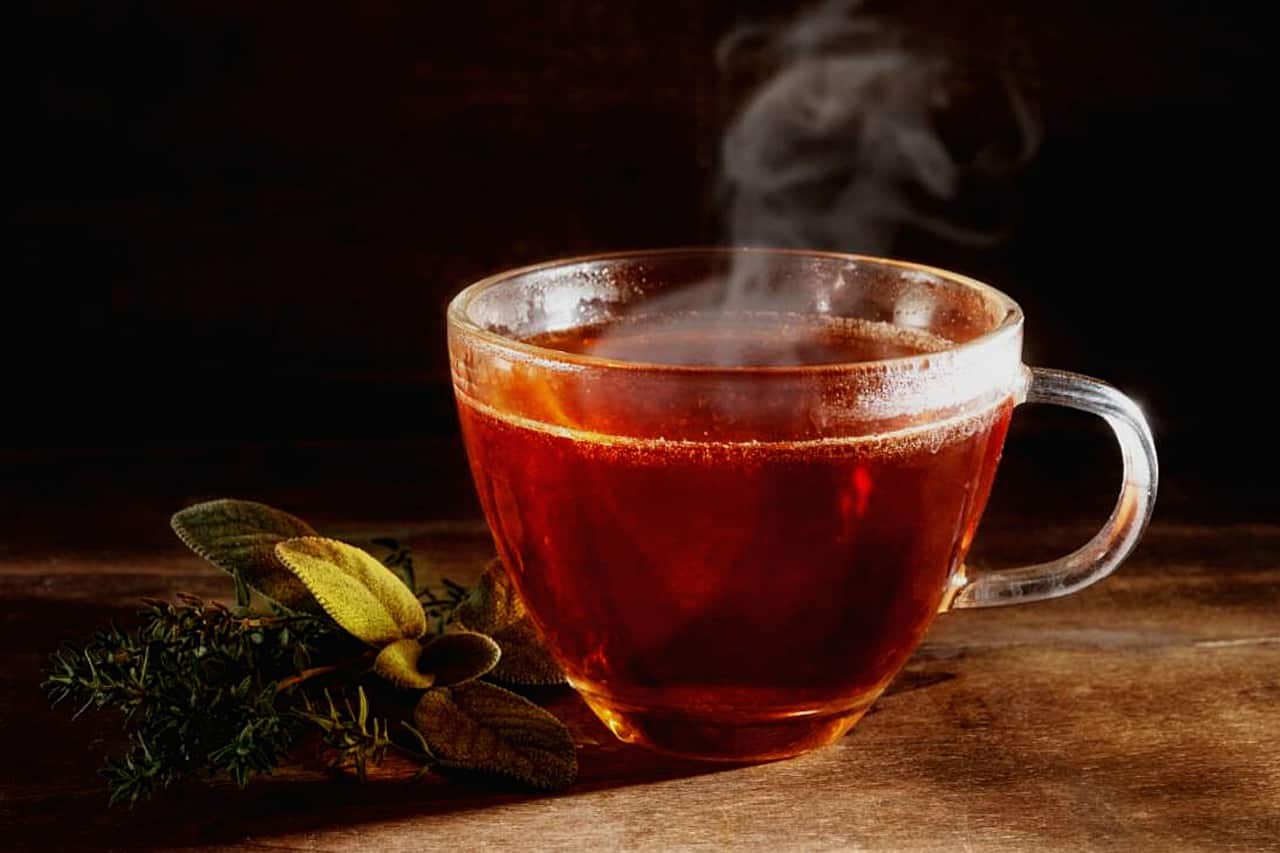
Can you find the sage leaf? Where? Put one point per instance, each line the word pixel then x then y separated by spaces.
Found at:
pixel 482 727
pixel 445 660
pixel 398 663
pixel 493 603
pixel 495 609
pixel 359 593
pixel 459 657
pixel 239 537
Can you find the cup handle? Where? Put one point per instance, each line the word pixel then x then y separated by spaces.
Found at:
pixel 1109 547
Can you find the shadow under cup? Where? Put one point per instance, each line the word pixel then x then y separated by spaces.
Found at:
pixel 733 487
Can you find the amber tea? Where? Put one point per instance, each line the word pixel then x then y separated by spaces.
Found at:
pixel 715 580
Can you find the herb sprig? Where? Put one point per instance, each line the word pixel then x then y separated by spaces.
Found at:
pixel 335 643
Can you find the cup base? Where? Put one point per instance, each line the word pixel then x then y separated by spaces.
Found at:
pixel 736 740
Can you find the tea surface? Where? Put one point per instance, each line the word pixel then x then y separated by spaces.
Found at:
pixel 747 339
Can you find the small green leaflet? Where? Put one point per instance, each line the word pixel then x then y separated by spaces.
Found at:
pixel 363 596
pixel 239 537
pixel 495 609
pixel 443 661
pixel 482 727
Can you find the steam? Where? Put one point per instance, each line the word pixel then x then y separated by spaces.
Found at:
pixel 855 132
pixel 840 146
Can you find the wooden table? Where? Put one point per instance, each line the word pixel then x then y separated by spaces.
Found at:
pixel 1142 714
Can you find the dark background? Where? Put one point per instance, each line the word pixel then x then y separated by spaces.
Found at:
pixel 235 226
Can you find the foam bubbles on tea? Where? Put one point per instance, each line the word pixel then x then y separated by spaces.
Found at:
pixel 742 339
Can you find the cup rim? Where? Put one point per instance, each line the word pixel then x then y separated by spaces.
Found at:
pixel 456 314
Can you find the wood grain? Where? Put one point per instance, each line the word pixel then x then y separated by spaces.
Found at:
pixel 1140 714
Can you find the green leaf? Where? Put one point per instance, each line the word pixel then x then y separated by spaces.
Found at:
pixel 493 603
pixel 398 663
pixel 239 537
pixel 446 660
pixel 495 609
pixel 357 591
pixel 482 727
pixel 459 657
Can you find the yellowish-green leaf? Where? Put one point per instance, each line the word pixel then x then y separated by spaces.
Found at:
pixel 446 660
pixel 482 727
pixel 239 537
pixel 398 663
pixel 358 592
pixel 495 609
